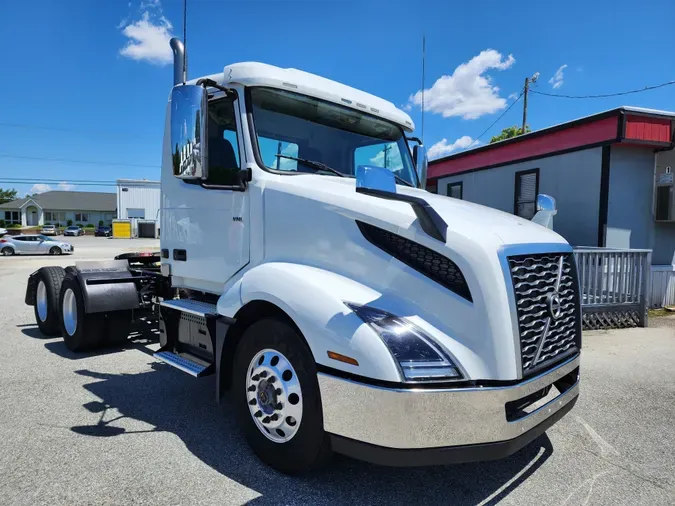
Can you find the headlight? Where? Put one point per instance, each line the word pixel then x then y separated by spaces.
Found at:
pixel 418 355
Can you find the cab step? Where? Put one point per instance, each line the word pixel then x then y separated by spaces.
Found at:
pixel 192 367
pixel 194 307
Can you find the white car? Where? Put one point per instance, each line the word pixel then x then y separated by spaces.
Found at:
pixel 33 245
pixel 49 230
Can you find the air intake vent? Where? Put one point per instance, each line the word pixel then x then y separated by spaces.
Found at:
pixel 433 265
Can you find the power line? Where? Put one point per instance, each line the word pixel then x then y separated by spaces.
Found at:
pixel 605 95
pixel 495 121
pixel 107 185
pixel 90 162
pixel 70 130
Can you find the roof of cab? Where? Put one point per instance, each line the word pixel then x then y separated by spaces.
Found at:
pixel 262 74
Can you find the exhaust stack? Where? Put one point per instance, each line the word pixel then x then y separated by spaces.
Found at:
pixel 179 61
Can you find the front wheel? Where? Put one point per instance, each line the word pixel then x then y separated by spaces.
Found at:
pixel 7 251
pixel 277 399
pixel 55 250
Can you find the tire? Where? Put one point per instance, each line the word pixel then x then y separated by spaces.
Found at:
pixel 118 327
pixel 7 251
pixel 46 296
pixel 54 250
pixel 309 446
pixel 80 331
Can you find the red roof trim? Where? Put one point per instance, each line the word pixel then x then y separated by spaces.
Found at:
pixel 648 128
pixel 577 136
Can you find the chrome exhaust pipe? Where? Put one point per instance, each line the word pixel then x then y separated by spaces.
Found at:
pixel 179 61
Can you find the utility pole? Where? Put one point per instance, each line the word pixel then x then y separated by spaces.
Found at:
pixel 386 152
pixel 525 90
pixel 528 81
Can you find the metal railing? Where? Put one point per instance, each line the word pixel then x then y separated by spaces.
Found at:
pixel 614 286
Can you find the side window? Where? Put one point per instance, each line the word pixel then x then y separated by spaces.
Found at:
pixel 525 193
pixel 270 148
pixel 455 190
pixel 223 144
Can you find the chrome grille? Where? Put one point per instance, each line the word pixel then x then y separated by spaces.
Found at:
pixel 547 306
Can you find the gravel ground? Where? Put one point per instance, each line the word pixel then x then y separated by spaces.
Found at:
pixel 121 428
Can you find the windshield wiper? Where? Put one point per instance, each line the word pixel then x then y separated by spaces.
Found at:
pixel 401 180
pixel 313 164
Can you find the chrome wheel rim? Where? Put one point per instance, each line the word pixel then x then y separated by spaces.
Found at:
pixel 41 301
pixel 7 251
pixel 70 312
pixel 274 395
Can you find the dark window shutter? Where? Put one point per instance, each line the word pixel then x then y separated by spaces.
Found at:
pixel 526 194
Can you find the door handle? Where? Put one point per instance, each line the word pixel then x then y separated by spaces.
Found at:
pixel 180 255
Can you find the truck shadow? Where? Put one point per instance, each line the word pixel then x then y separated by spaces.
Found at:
pixel 169 401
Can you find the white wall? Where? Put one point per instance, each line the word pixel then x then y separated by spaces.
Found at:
pixel 138 196
pixel 572 178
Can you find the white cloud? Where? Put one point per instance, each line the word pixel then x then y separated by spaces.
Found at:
pixel 469 92
pixel 39 188
pixel 513 96
pixel 442 148
pixel 148 36
pixel 558 78
pixel 66 187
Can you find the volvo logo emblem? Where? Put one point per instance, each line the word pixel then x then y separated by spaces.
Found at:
pixel 554 306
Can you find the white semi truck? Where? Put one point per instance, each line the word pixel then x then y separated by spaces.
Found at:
pixel 344 308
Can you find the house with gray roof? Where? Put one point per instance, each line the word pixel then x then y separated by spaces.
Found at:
pixel 57 207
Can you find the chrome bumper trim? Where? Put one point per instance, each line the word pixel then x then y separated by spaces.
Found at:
pixel 428 418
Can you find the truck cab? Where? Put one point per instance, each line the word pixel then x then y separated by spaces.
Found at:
pixel 343 306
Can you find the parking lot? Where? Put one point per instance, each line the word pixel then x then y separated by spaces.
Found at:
pixel 121 428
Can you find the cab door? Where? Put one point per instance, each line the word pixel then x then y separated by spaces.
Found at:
pixel 205 222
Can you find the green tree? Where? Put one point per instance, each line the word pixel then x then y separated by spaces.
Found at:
pixel 507 133
pixel 7 195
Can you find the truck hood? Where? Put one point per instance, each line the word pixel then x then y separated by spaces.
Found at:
pixel 464 219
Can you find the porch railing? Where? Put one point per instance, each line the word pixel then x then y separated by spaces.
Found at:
pixel 614 286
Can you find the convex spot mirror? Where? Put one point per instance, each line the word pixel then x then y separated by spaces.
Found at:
pixel 188 131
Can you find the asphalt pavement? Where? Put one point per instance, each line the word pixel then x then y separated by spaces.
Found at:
pixel 119 427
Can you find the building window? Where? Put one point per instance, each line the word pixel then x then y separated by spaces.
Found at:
pixel 135 213
pixel 54 217
pixel 12 217
pixel 81 217
pixel 525 193
pixel 455 190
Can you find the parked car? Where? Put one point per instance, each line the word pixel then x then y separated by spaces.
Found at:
pixel 49 230
pixel 33 245
pixel 73 230
pixel 103 232
pixel 3 231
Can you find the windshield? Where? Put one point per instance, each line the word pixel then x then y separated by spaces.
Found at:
pixel 45 238
pixel 299 126
pixel 73 228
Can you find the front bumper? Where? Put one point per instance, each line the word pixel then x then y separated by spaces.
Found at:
pixel 420 426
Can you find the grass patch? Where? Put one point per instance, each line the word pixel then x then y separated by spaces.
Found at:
pixel 660 312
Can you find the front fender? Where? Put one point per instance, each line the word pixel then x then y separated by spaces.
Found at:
pixel 314 299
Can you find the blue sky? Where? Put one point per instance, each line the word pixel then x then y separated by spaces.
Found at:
pixel 95 75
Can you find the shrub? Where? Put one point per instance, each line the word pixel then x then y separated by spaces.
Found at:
pixel 57 225
pixel 70 223
pixel 2 223
pixel 78 225
pixel 46 224
pixel 90 225
pixel 14 225
pixel 100 223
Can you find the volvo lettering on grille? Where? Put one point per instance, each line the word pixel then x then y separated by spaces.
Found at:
pixel 546 295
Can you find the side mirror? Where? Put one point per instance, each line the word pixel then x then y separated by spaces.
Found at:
pixel 188 131
pixel 375 178
pixel 545 203
pixel 546 210
pixel 421 164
